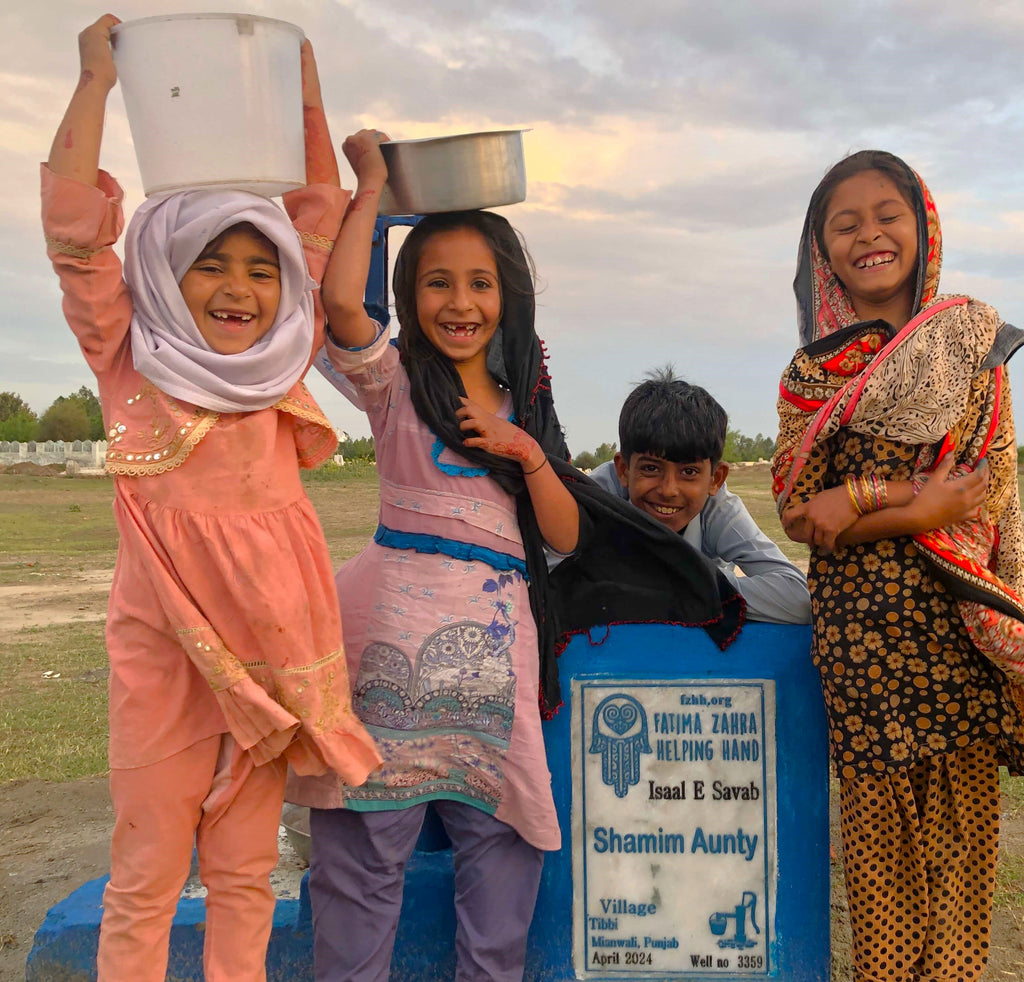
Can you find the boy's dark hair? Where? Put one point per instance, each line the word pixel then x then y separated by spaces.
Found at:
pixel 667 417
pixel 892 167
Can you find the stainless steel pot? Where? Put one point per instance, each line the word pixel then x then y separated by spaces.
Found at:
pixel 453 173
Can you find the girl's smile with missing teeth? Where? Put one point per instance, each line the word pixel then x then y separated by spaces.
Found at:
pixel 233 290
pixel 232 315
pixel 461 330
pixel 458 294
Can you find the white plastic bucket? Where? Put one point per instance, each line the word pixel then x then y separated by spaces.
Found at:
pixel 213 100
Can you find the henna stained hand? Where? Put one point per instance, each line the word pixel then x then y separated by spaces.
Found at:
pixel 495 435
pixel 362 150
pixel 518 448
pixel 94 53
pixel 362 199
pixel 321 163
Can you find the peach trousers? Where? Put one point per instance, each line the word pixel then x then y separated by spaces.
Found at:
pixel 209 794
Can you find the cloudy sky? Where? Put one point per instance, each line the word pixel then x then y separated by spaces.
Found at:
pixel 673 148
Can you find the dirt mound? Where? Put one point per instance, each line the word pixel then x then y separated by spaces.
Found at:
pixel 33 470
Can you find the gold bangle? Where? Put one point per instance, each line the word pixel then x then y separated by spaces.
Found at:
pixel 853 496
pixel 866 495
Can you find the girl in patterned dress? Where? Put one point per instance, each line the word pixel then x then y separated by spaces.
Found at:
pixel 223 629
pixel 439 628
pixel 897 464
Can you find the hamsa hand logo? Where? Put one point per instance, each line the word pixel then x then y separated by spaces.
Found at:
pixel 619 735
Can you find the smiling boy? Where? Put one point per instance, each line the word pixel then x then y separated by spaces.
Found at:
pixel 672 436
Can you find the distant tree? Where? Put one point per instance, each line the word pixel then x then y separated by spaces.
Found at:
pixel 729 452
pixel 360 448
pixel 93 410
pixel 587 460
pixel 11 404
pixel 740 447
pixel 66 419
pixel 86 400
pixel 17 421
pixel 21 427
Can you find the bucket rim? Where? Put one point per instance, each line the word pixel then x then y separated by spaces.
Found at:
pixel 229 184
pixel 209 15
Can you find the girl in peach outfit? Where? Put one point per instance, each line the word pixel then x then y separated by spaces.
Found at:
pixel 223 630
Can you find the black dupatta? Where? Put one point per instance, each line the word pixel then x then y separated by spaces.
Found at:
pixel 627 568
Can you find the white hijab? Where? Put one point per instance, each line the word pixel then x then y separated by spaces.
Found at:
pixel 166 235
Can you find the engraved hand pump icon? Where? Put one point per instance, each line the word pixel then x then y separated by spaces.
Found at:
pixel 719 921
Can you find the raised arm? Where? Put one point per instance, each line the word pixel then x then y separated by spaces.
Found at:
pixel 76 146
pixel 345 280
pixel 316 210
pixel 321 163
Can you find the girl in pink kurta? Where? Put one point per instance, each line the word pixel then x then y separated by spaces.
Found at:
pixel 223 629
pixel 440 626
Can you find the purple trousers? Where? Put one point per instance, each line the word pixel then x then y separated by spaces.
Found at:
pixel 356 877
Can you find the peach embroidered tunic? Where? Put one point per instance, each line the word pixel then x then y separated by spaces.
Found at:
pixel 223 616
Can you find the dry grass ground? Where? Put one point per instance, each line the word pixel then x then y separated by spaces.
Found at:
pixel 57 553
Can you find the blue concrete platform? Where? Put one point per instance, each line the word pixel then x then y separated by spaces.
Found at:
pixel 65 945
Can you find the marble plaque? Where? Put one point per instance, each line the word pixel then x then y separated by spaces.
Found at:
pixel 673 838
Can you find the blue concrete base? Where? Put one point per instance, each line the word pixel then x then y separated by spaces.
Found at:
pixel 65 945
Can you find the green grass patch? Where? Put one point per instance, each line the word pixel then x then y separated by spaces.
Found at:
pixel 753 484
pixel 356 469
pixel 348 511
pixel 54 728
pixel 52 523
pixel 1013 791
pixel 1010 882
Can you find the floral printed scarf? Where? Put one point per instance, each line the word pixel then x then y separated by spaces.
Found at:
pixel 913 386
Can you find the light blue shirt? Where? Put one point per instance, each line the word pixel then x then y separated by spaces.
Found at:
pixel 774 589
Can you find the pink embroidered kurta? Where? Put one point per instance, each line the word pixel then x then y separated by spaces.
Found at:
pixel 222 616
pixel 440 639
